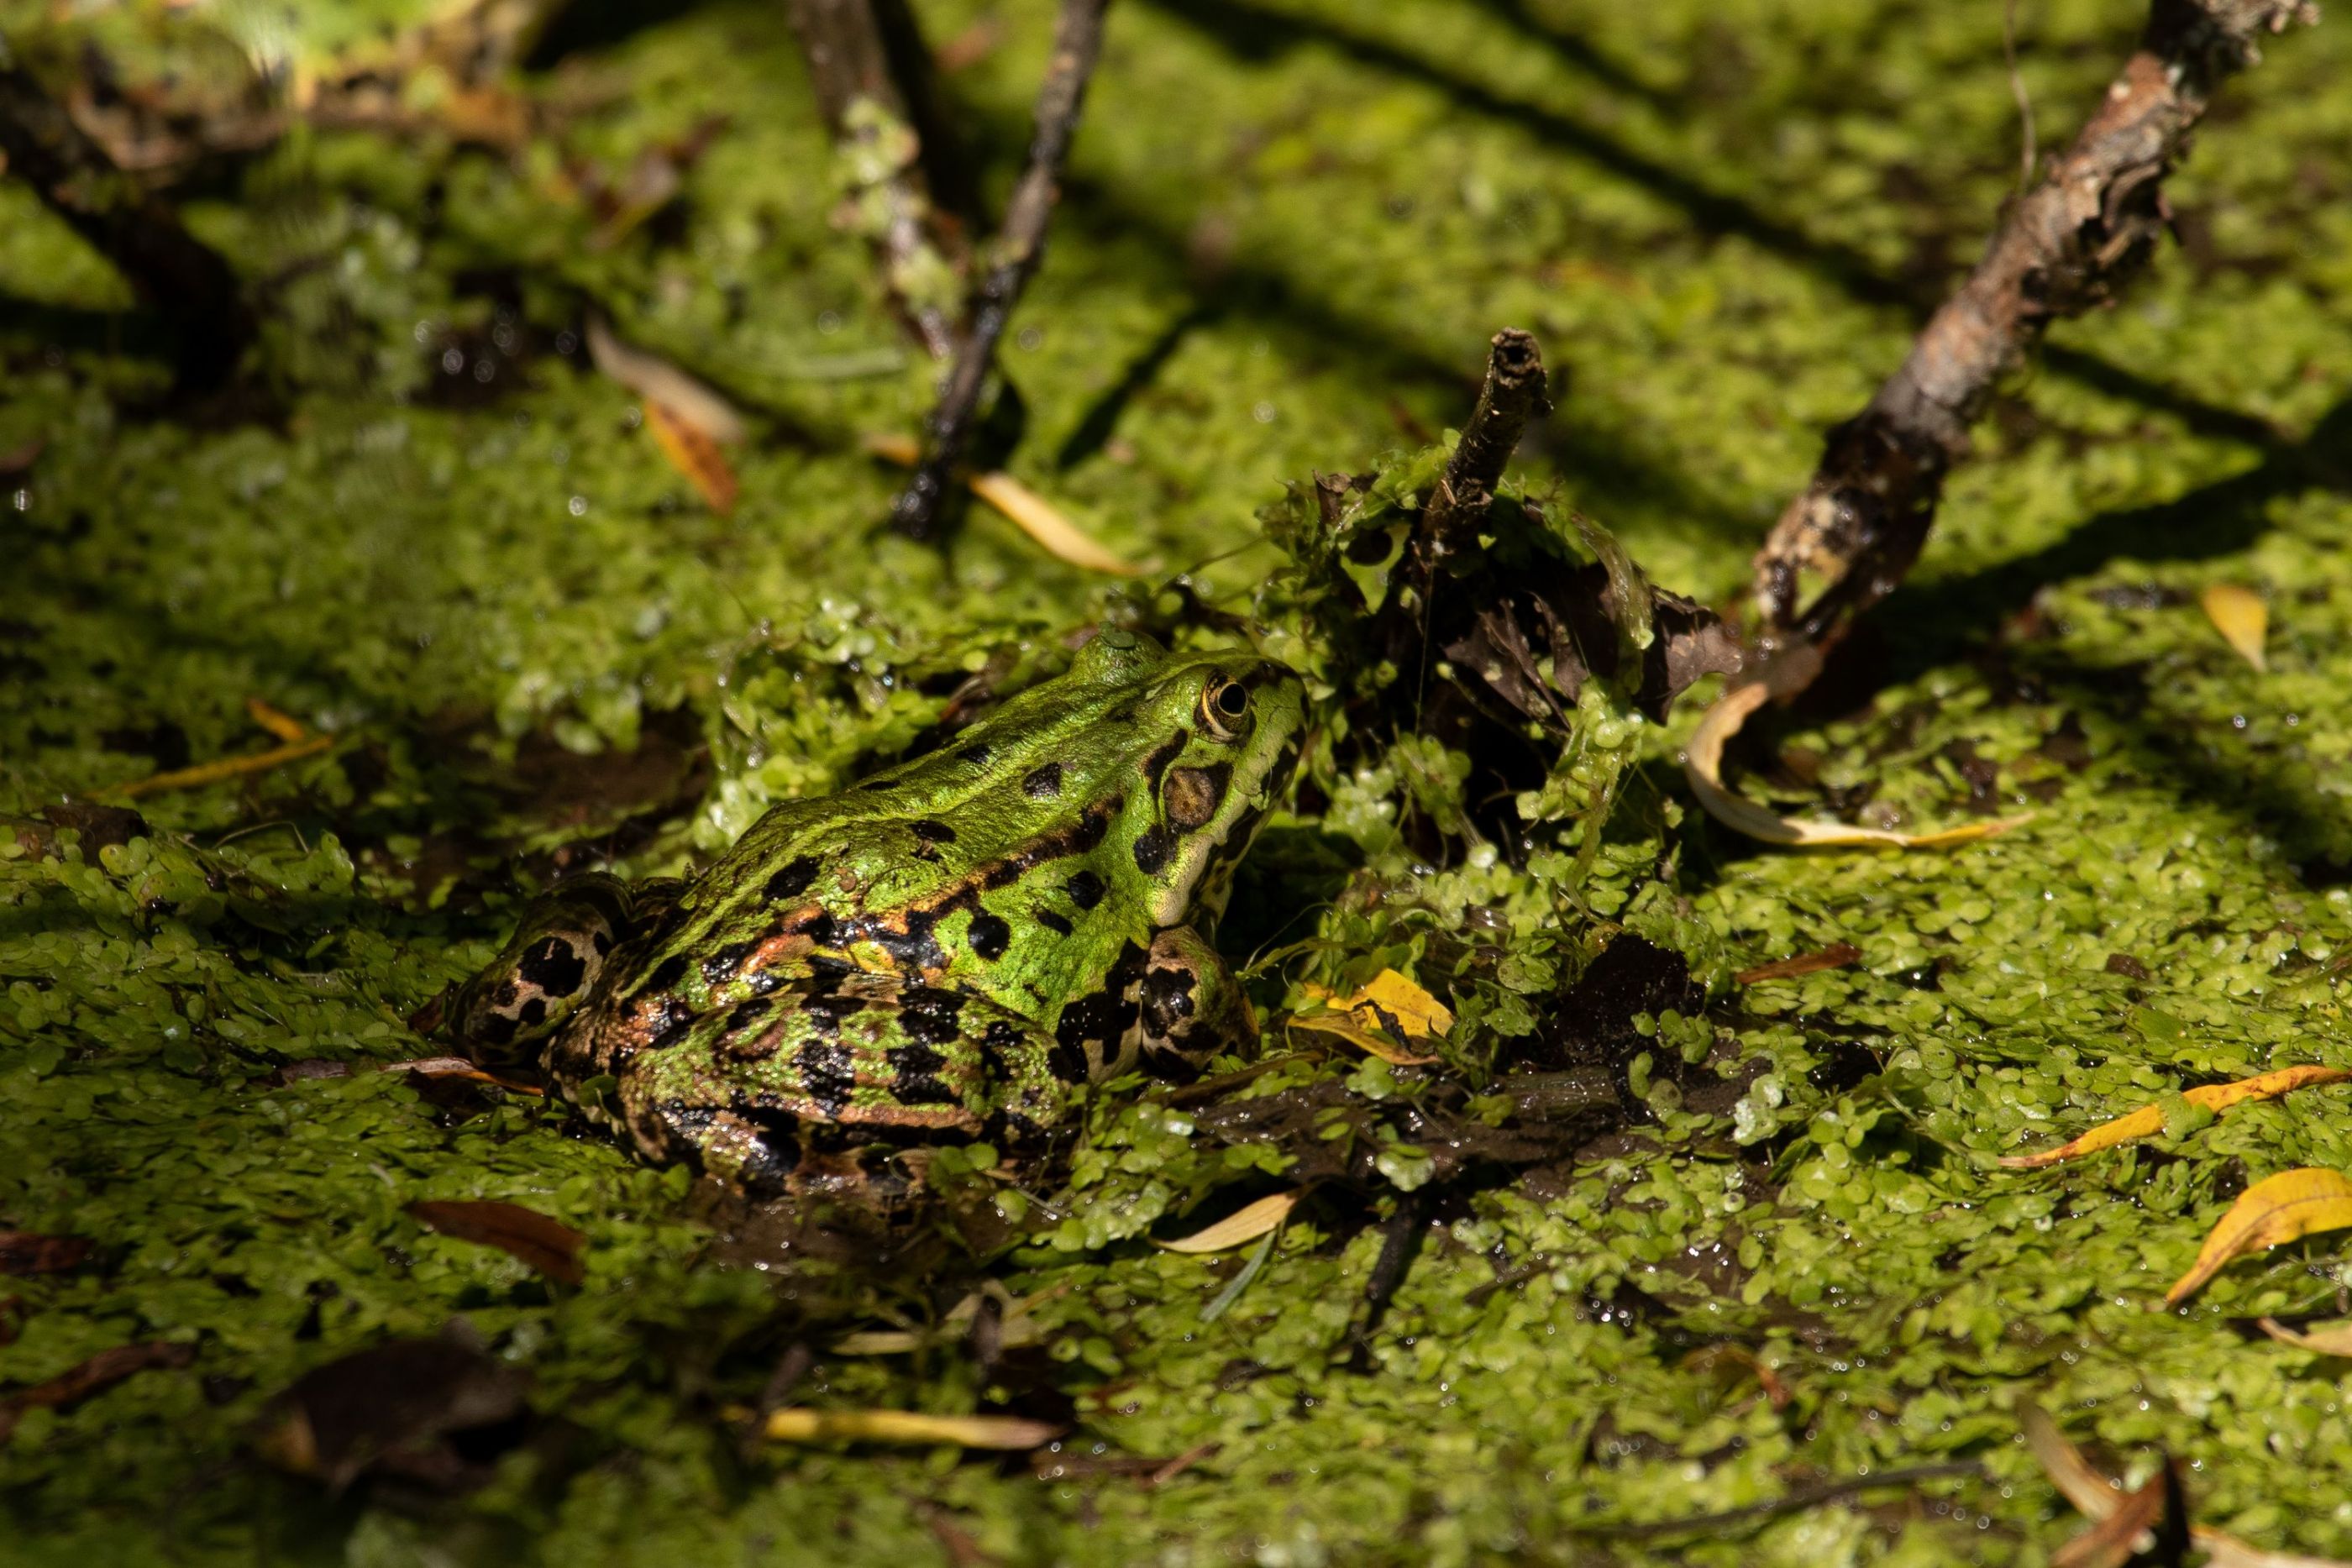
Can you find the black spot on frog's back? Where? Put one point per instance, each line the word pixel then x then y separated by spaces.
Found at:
pixel 989 935
pixel 791 878
pixel 722 962
pixel 929 1015
pixel 1084 888
pixel 827 1074
pixel 915 1076
pixel 1043 782
pixel 933 832
pixel 667 973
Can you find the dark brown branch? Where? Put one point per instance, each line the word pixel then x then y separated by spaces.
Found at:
pixel 183 279
pixel 2067 245
pixel 1021 246
pixel 1514 391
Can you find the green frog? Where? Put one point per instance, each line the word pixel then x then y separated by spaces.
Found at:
pixel 940 952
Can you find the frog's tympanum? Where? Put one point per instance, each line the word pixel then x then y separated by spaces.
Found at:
pixel 940 951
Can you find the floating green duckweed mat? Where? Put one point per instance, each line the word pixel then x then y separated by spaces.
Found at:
pixel 448 544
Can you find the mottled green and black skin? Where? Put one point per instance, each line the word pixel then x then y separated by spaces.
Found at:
pixel 942 950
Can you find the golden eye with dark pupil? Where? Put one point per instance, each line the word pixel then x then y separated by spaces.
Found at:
pixel 1223 702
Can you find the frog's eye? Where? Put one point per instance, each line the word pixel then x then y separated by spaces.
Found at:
pixel 1224 705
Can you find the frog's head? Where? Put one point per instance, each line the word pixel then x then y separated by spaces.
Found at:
pixel 1217 735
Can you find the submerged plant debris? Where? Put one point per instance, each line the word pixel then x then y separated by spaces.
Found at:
pixel 1644 1265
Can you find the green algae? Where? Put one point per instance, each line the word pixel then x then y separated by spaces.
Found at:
pixel 1288 231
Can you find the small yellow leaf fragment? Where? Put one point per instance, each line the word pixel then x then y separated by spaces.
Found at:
pixel 693 454
pixel 1703 766
pixel 1415 1014
pixel 1244 1224
pixel 2328 1338
pixel 1381 1016
pixel 2281 1208
pixel 2093 1495
pixel 796 1425
pixel 1027 510
pixel 2149 1120
pixel 2098 1496
pixel 656 379
pixel 284 726
pixel 1344 1026
pixel 2241 618
pixel 225 767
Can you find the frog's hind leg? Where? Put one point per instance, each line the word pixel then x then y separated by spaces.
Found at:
pixel 550 966
pixel 785 1091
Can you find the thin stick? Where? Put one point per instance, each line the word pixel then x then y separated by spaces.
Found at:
pixel 1794 1502
pixel 2064 247
pixel 1078 42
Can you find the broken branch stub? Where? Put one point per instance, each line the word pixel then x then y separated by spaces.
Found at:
pixel 1489 585
pixel 2065 247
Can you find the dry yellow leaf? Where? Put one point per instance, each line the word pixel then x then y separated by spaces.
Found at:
pixel 1370 1041
pixel 284 726
pixel 226 767
pixel 2241 618
pixel 693 454
pixel 1384 1012
pixel 656 379
pixel 1027 510
pixel 796 1425
pixel 2331 1339
pixel 1244 1224
pixel 2149 1120
pixel 1703 766
pixel 2281 1208
pixel 2096 1496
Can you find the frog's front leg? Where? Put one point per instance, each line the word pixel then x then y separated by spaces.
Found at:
pixel 550 965
pixel 785 1090
pixel 1167 1009
pixel 1189 1007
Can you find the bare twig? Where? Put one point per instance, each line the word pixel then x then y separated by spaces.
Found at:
pixel 2066 246
pixel 1400 1239
pixel 177 274
pixel 1078 41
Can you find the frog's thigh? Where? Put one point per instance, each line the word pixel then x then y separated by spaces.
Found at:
pixel 1189 1007
pixel 744 1091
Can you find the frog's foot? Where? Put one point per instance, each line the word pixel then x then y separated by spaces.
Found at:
pixel 791 1090
pixel 1167 1010
pixel 1189 1007
pixel 549 966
